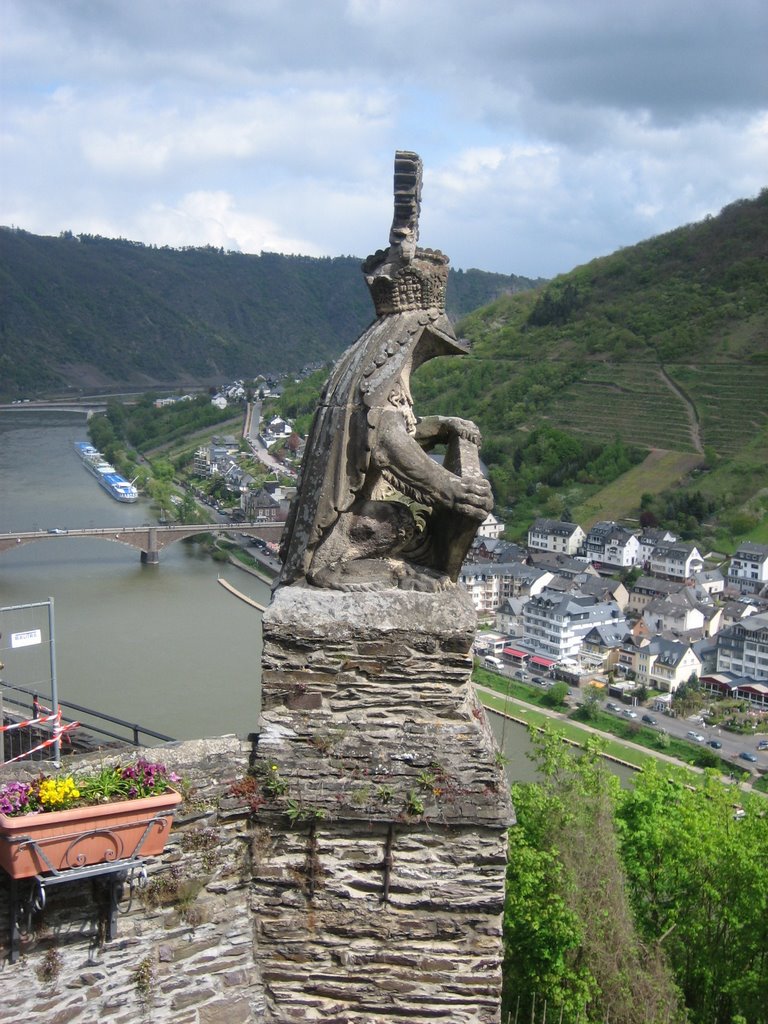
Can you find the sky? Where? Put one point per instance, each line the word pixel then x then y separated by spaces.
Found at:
pixel 551 132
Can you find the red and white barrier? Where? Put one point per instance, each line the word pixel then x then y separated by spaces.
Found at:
pixel 58 731
pixel 31 721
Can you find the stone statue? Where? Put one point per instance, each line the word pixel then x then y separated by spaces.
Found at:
pixel 373 509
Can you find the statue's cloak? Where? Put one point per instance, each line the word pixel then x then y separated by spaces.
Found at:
pixel 338 451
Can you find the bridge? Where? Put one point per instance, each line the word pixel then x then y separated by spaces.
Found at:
pixel 148 540
pixel 86 407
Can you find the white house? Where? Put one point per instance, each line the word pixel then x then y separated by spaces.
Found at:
pixel 675 613
pixel 677 561
pixel 650 539
pixel 611 546
pixel 749 567
pixel 555 624
pixel 555 535
pixel 489 584
pixel 665 664
pixel 490 527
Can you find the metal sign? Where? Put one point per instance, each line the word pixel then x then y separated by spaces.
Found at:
pixel 27 639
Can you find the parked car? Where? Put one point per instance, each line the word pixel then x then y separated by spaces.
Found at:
pixel 692 735
pixel 610 706
pixel 747 755
pixel 762 744
pixel 649 720
pixel 629 713
pixel 716 744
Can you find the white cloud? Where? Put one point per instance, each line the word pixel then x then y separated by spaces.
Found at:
pixel 551 132
pixel 213 218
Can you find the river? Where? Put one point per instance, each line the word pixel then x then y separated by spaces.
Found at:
pixel 164 646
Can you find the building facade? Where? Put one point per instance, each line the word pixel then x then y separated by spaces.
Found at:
pixel 743 648
pixel 749 568
pixel 612 546
pixel 555 535
pixel 556 624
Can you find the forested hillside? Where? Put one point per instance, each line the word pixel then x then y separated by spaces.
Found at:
pixel 644 905
pixel 91 311
pixel 663 347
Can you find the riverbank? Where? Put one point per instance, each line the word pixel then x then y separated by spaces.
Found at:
pixel 624 752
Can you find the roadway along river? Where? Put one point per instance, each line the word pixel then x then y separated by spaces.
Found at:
pixel 164 646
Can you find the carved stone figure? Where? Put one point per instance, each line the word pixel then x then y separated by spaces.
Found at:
pixel 373 509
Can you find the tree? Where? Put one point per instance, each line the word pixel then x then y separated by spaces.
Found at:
pixel 593 697
pixel 695 862
pixel 557 694
pixel 160 491
pixel 188 510
pixel 569 935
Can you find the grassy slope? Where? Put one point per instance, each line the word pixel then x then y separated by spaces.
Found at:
pixel 619 499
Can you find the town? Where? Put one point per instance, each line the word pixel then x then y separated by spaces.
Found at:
pixel 638 613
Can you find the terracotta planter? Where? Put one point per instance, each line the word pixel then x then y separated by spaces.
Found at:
pixel 37 844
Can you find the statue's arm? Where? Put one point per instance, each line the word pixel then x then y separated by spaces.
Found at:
pixel 432 430
pixel 400 456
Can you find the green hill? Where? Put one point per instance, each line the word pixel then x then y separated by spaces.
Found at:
pixel 660 346
pixel 94 312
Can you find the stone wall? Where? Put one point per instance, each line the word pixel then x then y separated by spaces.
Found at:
pixel 184 946
pixel 384 899
pixel 347 867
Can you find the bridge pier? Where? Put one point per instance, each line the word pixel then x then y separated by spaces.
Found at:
pixel 152 555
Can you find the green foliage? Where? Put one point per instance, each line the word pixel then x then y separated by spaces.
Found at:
pixel 694 858
pixel 557 694
pixel 296 811
pixel 556 304
pixel 570 939
pixel 414 805
pixel 299 400
pixel 145 426
pixel 593 698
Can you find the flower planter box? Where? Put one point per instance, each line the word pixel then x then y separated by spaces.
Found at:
pixel 50 842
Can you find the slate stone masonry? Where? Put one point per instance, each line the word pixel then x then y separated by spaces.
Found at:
pixel 354 873
pixel 385 897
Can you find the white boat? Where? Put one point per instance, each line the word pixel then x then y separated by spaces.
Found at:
pixel 114 484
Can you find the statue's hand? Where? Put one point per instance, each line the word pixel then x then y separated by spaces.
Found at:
pixel 462 428
pixel 472 495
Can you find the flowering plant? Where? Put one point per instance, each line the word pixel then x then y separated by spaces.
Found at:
pixel 140 778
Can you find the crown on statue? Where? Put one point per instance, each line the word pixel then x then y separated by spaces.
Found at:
pixel 399 284
pixel 402 277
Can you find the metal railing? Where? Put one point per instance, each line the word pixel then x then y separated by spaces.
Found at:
pixel 134 730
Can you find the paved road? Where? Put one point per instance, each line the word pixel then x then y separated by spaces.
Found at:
pixel 732 745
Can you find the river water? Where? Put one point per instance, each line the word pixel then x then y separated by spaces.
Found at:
pixel 164 646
